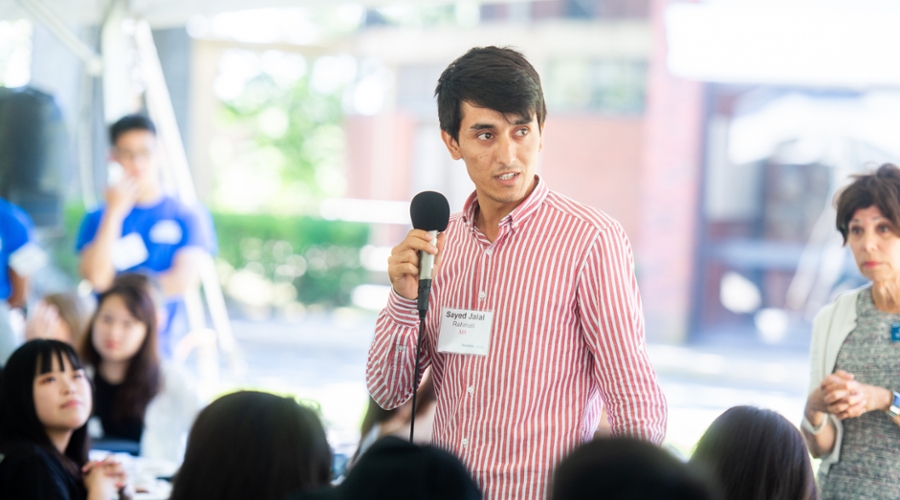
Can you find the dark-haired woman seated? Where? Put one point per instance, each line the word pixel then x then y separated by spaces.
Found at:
pixel 756 454
pixel 852 415
pixel 141 403
pixel 45 402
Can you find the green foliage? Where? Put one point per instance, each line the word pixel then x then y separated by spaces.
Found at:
pixel 61 247
pixel 285 140
pixel 319 257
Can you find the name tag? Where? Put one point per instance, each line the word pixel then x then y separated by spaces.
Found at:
pixel 129 251
pixel 465 332
pixel 166 232
pixel 895 332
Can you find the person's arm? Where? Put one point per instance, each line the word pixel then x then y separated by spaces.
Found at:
pixel 184 273
pixel 19 289
pixel 820 440
pixel 96 261
pixel 612 320
pixel 391 358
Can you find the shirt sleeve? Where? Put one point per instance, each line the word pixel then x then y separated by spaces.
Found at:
pixel 19 232
pixel 88 229
pixel 392 355
pixel 199 229
pixel 612 322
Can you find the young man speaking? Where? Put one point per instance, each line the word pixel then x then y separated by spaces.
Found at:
pixel 561 330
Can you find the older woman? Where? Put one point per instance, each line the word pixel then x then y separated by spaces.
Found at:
pixel 852 416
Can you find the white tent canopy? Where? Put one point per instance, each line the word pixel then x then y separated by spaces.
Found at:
pixel 169 13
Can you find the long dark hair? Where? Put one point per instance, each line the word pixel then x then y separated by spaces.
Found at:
pixel 253 445
pixel 756 454
pixel 142 378
pixel 18 417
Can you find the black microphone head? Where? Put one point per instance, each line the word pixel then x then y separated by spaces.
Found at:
pixel 430 211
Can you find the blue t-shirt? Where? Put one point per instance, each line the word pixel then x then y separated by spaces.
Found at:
pixel 15 232
pixel 164 229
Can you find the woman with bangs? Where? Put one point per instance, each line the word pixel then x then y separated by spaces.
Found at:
pixel 142 405
pixel 45 403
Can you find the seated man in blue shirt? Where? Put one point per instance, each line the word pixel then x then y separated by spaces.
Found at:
pixel 141 229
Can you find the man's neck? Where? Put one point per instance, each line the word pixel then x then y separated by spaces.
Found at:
pixel 490 212
pixel 149 195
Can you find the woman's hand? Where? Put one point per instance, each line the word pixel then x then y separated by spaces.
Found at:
pixel 837 394
pixel 844 397
pixel 105 479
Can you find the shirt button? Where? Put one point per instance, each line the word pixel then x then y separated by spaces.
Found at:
pixel 482 295
pixel 471 389
pixel 465 442
pixel 489 252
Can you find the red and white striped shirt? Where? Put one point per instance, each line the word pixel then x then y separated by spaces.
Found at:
pixel 567 337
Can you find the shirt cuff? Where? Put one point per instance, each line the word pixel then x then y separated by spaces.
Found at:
pixel 402 310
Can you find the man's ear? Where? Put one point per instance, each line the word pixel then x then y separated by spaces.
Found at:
pixel 452 145
pixel 541 143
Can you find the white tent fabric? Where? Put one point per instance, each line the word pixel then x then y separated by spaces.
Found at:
pixel 170 13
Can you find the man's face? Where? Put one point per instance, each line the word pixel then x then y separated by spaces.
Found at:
pixel 500 152
pixel 135 151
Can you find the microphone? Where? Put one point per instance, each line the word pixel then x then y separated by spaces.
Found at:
pixel 430 211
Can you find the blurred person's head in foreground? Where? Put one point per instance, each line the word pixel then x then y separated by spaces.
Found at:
pixel 253 445
pixel 60 316
pixel 46 400
pixel 626 469
pixel 395 469
pixel 133 146
pixel 868 217
pixel 121 344
pixel 756 454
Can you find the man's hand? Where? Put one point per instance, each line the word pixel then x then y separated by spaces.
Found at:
pixel 120 198
pixel 403 264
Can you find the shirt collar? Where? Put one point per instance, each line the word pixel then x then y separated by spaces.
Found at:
pixel 519 215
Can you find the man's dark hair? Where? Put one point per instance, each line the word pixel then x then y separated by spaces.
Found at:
pixel 128 123
pixel 489 77
pixel 255 445
pixel 880 189
pixel 626 469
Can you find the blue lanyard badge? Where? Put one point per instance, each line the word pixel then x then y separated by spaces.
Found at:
pixel 895 332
